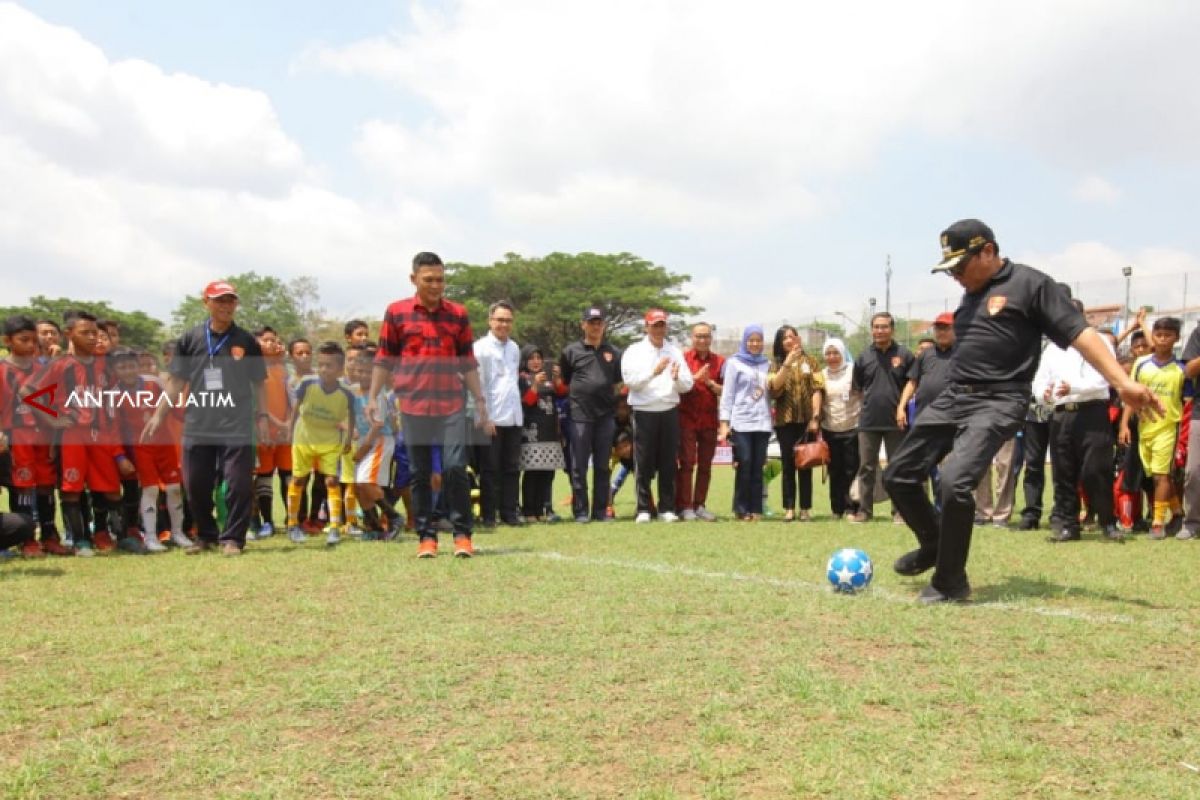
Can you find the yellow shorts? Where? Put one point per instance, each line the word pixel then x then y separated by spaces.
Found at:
pixel 323 459
pixel 1157 452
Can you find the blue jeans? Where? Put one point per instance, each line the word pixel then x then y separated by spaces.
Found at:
pixel 422 435
pixel 750 452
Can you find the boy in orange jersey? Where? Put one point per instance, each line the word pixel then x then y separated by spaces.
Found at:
pixel 156 461
pixel 274 453
pixel 89 453
pixel 33 471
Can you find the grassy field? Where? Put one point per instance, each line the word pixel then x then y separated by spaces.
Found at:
pixel 649 661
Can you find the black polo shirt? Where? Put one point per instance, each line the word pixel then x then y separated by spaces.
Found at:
pixel 881 375
pixel 226 415
pixel 930 369
pixel 1192 350
pixel 592 373
pixel 999 329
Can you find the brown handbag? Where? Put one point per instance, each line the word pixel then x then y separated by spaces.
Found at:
pixel 811 454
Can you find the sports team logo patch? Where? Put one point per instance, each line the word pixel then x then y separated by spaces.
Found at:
pixel 608 357
pixel 237 352
pixel 996 303
pixel 896 361
pixel 71 475
pixel 23 475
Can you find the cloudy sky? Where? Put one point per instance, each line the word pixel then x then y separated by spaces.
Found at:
pixel 776 152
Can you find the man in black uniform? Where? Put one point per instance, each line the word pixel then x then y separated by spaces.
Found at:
pixel 927 380
pixel 880 373
pixel 999 325
pixel 591 368
pixel 222 367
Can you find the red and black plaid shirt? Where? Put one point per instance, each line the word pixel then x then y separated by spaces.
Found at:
pixel 427 352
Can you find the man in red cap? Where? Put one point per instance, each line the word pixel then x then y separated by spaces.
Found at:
pixel 222 369
pixel 927 379
pixel 656 373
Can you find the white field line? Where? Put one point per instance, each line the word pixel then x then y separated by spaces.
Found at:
pixel 875 591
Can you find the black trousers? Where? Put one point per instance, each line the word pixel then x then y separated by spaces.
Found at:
pixel 500 476
pixel 1081 449
pixel 1036 438
pixel 843 465
pixel 537 492
pixel 202 463
pixel 421 435
pixel 969 428
pixel 591 439
pixel 655 450
pixel 15 529
pixel 789 436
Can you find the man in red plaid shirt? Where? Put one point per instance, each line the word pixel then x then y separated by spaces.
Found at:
pixel 425 349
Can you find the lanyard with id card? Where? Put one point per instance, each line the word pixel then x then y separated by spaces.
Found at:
pixel 214 381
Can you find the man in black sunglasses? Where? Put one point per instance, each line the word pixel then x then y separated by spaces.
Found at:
pixel 1005 311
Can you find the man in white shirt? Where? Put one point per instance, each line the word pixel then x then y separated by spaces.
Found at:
pixel 656 374
pixel 1081 441
pixel 499 360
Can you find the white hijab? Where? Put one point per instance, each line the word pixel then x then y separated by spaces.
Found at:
pixel 847 359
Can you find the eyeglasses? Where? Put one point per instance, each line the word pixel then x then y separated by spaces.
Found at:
pixel 504 320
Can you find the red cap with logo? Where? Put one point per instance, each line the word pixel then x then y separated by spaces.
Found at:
pixel 219 289
pixel 944 318
pixel 655 316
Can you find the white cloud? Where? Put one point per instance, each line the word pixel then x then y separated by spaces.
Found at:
pixel 1094 189
pixel 1094 271
pixel 137 187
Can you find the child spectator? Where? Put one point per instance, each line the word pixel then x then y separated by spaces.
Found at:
pixel 357 334
pixel 299 368
pixel 541 450
pixel 322 419
pixel 33 472
pixel 1165 376
pixel 375 441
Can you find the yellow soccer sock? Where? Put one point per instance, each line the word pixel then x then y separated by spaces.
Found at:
pixel 1160 511
pixel 351 503
pixel 295 495
pixel 335 506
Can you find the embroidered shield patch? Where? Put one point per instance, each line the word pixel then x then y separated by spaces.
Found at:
pixel 996 303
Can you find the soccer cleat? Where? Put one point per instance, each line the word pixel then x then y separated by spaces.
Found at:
pixel 1112 533
pixel 296 535
pixel 103 542
pixel 427 548
pixel 56 548
pixel 463 547
pixel 332 537
pixel 311 526
pixel 32 549
pixel 1175 524
pixel 643 516
pixel 266 531
pixel 182 540
pixel 230 549
pixel 1158 532
pixel 355 531
pixel 668 516
pixel 703 513
pixel 688 515
pixel 84 550
pixel 1185 534
pixel 152 544
pixel 132 544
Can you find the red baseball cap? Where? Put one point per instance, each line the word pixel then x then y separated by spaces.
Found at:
pixel 219 289
pixel 655 316
pixel 944 318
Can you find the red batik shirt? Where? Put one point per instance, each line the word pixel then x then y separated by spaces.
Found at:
pixel 427 352
pixel 698 407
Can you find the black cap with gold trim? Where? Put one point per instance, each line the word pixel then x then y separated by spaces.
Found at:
pixel 964 238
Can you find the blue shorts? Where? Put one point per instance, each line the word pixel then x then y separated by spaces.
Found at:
pixel 402 476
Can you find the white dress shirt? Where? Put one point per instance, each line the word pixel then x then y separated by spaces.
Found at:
pixel 1061 366
pixel 499 363
pixel 647 391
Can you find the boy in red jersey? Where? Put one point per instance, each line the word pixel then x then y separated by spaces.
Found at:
pixel 33 470
pixel 89 454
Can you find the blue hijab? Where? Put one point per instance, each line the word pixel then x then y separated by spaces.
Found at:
pixel 744 355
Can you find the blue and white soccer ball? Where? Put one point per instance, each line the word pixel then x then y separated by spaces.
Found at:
pixel 849 570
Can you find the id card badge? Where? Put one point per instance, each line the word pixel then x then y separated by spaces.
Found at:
pixel 213 381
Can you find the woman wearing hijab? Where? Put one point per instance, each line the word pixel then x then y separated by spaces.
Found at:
pixel 746 410
pixel 839 425
pixel 541 450
pixel 795 388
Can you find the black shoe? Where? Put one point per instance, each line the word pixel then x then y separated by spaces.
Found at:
pixel 980 521
pixel 914 562
pixel 1027 524
pixel 487 524
pixel 514 522
pixel 930 596
pixel 1063 535
pixel 1112 533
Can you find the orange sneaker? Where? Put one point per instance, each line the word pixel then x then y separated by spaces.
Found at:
pixel 463 547
pixel 32 549
pixel 56 548
pixel 103 542
pixel 427 548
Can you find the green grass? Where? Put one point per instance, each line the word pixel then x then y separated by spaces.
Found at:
pixel 696 660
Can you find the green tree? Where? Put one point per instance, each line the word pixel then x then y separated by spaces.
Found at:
pixel 289 307
pixel 550 294
pixel 138 329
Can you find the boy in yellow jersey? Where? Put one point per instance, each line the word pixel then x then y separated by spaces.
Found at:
pixel 1164 375
pixel 322 422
